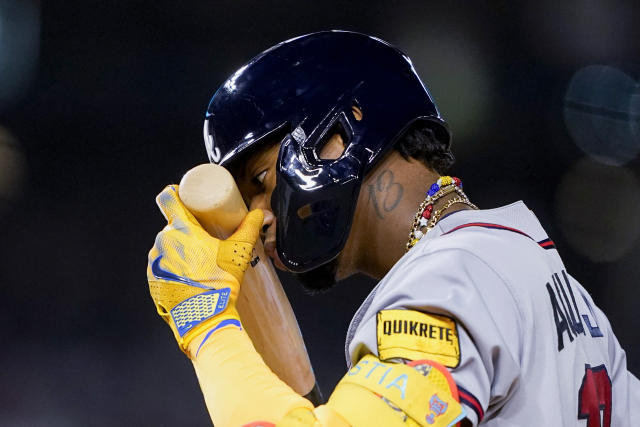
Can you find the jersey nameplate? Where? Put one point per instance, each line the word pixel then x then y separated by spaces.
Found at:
pixel 414 335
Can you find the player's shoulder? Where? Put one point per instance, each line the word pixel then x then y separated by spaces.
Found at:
pixel 511 230
pixel 501 251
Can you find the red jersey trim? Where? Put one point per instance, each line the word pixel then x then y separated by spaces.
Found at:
pixel 545 244
pixel 470 400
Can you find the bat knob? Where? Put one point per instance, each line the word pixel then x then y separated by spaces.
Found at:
pixel 211 194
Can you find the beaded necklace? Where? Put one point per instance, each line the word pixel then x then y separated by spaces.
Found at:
pixel 426 218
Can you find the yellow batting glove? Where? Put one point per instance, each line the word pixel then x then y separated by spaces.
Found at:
pixel 194 278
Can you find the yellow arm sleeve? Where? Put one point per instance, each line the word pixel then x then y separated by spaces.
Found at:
pixel 238 387
pixel 240 390
pixel 376 393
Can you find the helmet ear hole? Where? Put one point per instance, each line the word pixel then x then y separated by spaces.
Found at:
pixel 334 143
pixel 356 110
pixel 332 149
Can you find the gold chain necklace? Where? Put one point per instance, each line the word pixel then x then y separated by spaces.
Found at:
pixel 425 219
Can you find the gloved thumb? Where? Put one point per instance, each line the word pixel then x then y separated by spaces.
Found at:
pixel 172 207
pixel 249 228
pixel 234 254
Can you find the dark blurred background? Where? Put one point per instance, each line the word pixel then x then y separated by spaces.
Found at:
pixel 102 104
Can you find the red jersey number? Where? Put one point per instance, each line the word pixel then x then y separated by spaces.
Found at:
pixel 594 398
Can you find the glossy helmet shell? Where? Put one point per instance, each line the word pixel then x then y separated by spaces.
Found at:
pixel 304 89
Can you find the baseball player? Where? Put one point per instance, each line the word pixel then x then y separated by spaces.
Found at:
pixel 339 150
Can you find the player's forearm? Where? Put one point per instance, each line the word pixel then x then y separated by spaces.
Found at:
pixel 237 386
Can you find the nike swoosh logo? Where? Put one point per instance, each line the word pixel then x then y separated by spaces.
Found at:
pixel 159 273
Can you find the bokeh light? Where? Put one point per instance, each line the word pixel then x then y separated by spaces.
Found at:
pixel 598 207
pixel 601 113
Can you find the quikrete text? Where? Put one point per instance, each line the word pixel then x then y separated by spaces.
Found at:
pixel 418 329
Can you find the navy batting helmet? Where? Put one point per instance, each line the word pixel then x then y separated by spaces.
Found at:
pixel 306 88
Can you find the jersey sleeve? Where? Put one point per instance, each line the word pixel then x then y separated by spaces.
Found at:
pixel 457 290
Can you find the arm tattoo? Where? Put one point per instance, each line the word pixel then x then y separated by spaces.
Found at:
pixel 385 194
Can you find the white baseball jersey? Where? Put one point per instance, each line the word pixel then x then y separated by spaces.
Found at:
pixel 486 294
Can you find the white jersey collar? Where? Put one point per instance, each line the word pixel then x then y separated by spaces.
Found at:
pixel 515 215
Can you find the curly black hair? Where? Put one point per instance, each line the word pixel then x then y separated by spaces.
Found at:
pixel 429 144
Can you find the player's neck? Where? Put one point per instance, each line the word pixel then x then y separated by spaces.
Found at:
pixel 387 205
pixel 390 251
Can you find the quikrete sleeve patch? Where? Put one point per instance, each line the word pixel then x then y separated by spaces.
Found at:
pixel 414 335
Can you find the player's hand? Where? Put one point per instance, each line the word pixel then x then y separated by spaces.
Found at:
pixel 194 279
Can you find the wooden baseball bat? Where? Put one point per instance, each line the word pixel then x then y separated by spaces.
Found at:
pixel 210 193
